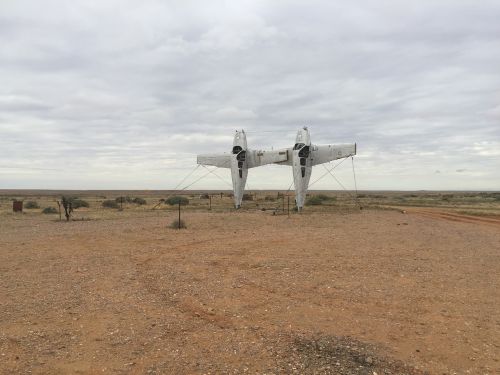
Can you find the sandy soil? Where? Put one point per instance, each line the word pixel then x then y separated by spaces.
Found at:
pixel 359 293
pixel 451 216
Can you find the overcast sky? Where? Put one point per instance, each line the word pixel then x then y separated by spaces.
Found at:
pixel 124 94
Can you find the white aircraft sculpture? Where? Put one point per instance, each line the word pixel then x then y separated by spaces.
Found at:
pixel 239 160
pixel 304 155
pixel 301 157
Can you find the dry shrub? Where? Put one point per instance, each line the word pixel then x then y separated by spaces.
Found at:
pixel 175 224
pixel 31 204
pixel 110 204
pixel 175 200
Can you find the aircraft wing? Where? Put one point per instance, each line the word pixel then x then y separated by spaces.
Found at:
pixel 325 153
pixel 288 160
pixel 256 158
pixel 217 160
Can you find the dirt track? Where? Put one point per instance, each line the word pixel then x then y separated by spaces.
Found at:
pixel 438 214
pixel 250 292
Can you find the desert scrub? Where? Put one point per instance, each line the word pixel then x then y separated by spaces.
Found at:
pixel 314 201
pixel 325 197
pixel 175 224
pixel 175 200
pixel 77 203
pixel 139 201
pixel 31 204
pixel 126 199
pixel 110 204
pixel 49 210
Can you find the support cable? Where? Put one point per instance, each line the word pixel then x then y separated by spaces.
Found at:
pixel 195 181
pixel 328 171
pixel 343 187
pixel 336 179
pixel 177 186
pixel 185 178
pixel 216 175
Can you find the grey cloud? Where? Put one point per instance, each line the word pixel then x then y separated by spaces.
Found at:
pixel 127 86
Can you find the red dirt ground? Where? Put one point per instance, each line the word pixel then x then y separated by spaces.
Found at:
pixel 358 293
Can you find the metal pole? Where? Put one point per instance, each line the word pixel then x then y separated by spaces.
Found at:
pixel 179 222
pixel 283 207
pixel 288 205
pixel 210 202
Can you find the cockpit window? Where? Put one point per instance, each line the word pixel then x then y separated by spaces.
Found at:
pixel 237 149
pixel 304 152
pixel 241 156
pixel 298 146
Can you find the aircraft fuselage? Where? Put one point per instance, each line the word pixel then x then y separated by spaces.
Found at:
pixel 302 166
pixel 239 166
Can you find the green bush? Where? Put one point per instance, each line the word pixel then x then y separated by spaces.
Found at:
pixel 247 197
pixel 126 199
pixel 139 201
pixel 317 200
pixel 269 198
pixel 110 204
pixel 325 197
pixel 314 201
pixel 410 196
pixel 175 224
pixel 49 210
pixel 175 200
pixel 77 203
pixel 31 204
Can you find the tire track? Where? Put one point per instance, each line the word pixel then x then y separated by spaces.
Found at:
pixel 460 218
